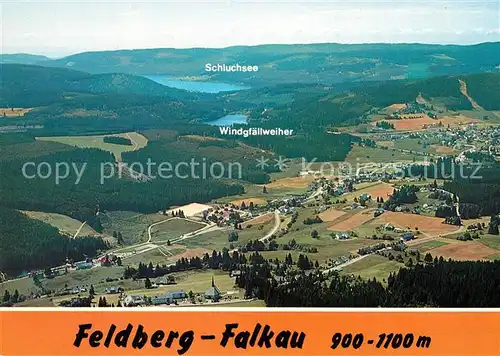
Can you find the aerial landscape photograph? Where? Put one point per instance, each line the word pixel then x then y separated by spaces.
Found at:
pixel 250 154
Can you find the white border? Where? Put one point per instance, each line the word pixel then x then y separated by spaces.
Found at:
pixel 230 310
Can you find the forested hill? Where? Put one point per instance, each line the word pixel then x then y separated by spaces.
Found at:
pixel 304 63
pixel 72 102
pixel 309 107
pixel 28 244
pixel 30 85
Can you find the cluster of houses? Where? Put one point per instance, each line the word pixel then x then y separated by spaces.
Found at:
pixel 172 297
pixel 227 215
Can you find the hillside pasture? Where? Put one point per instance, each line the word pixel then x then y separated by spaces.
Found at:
pixel 292 182
pixel 353 221
pixel 430 245
pixel 65 224
pixel 247 201
pixel 173 229
pixel 331 214
pixel 138 141
pixel 373 266
pixel 420 121
pixel 410 123
pixel 429 225
pixel 259 220
pixel 370 155
pixel 464 251
pixel 14 112
pixel 379 189
pixel 133 226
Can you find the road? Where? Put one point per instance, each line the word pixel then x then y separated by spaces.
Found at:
pixel 136 145
pixel 79 229
pixel 277 222
pixel 350 262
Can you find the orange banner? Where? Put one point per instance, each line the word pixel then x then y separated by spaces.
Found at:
pixel 226 332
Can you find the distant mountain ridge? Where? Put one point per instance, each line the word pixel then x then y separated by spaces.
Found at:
pixel 327 63
pixel 73 101
pixel 23 58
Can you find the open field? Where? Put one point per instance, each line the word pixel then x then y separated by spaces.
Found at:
pixel 94 276
pixel 483 117
pixel 353 221
pixel 391 109
pixel 491 241
pixel 328 248
pixel 65 224
pixel 429 245
pixel 198 138
pixel 173 229
pixel 25 286
pixel 442 149
pixel 426 224
pixel 195 281
pixel 190 209
pixel 133 226
pixel 14 112
pixel 195 252
pixel 331 214
pixel 294 167
pixel 259 220
pixel 373 266
pixel 411 124
pixel 247 201
pixel 216 240
pixel 419 123
pixel 255 191
pixel 464 251
pixel 293 182
pixel 377 189
pixel 362 155
pixel 138 141
pixel 154 256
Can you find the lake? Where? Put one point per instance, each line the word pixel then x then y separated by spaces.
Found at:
pixel 197 86
pixel 229 120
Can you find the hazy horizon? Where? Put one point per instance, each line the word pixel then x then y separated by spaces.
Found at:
pixel 58 29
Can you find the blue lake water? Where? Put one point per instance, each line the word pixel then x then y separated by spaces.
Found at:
pixel 229 120
pixel 197 86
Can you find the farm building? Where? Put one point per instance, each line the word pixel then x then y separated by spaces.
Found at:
pixel 235 273
pixel 177 294
pixel 342 236
pixel 408 236
pixel 83 265
pixel 134 300
pixel 161 299
pixel 113 290
pixel 165 280
pixel 77 290
pixel 167 298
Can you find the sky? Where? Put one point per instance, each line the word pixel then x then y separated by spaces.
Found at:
pixel 57 28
